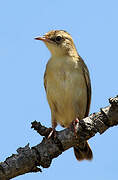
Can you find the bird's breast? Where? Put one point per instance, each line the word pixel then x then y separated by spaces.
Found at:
pixel 65 88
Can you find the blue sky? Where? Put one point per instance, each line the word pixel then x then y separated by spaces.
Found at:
pixel 94 28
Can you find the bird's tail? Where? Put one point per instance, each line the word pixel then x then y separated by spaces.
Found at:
pixel 83 152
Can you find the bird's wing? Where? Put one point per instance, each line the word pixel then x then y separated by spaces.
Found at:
pixel 45 80
pixel 88 84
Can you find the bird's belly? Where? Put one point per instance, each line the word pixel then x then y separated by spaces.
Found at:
pixel 66 94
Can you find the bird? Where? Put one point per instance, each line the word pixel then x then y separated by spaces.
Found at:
pixel 67 85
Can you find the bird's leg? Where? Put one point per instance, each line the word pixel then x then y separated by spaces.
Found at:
pixel 53 131
pixel 74 123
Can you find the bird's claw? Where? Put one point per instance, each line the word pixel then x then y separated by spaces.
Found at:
pixel 74 123
pixel 52 133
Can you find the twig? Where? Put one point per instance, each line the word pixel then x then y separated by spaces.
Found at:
pixel 31 159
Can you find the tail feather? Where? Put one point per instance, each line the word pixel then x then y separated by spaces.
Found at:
pixel 84 153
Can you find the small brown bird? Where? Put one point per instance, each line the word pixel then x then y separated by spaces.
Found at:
pixel 67 84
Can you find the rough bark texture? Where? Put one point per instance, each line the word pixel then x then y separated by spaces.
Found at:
pixel 31 159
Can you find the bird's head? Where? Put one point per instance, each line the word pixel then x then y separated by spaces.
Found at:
pixel 59 43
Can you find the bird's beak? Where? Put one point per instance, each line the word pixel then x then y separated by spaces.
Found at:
pixel 42 39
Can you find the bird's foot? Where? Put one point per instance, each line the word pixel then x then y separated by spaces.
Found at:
pixel 52 133
pixel 74 124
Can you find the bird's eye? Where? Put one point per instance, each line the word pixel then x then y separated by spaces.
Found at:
pixel 58 38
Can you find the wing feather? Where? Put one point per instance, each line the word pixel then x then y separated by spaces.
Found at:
pixel 88 84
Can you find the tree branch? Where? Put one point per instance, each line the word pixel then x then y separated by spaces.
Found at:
pixel 30 159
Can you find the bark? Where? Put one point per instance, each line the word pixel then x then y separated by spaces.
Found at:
pixel 31 159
